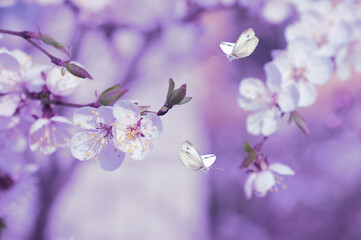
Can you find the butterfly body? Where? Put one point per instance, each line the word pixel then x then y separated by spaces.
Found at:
pixel 243 47
pixel 191 158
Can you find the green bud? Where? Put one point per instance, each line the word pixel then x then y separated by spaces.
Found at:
pixel 170 88
pixel 78 71
pixel 185 100
pixel 177 95
pixel 52 42
pixel 300 123
pixel 111 94
pixel 247 147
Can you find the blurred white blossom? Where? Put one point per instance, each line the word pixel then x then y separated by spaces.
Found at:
pixel 62 84
pixel 48 135
pixel 302 66
pixel 267 101
pixel 260 181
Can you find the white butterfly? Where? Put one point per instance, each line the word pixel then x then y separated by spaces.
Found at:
pixel 191 158
pixel 245 45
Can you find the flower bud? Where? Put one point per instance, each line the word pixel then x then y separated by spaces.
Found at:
pixel 177 96
pixel 299 122
pixel 78 71
pixel 112 94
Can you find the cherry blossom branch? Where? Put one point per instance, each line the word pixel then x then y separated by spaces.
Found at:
pixel 75 105
pixel 27 35
pixel 71 67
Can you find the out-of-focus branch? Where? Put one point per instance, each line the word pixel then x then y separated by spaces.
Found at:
pixel 27 35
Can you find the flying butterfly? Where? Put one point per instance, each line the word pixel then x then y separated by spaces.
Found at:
pixel 245 45
pixel 191 158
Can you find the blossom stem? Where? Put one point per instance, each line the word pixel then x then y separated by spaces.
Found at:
pixel 75 105
pixel 27 35
pixel 164 110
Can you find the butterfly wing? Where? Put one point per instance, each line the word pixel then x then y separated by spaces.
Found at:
pixel 246 44
pixel 188 147
pixel 246 48
pixel 190 161
pixel 227 47
pixel 208 160
pixel 245 35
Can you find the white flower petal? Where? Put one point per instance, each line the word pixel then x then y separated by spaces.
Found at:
pixel 307 92
pixel 273 77
pixel 253 95
pixel 126 112
pixel 281 169
pixel 299 51
pixel 339 34
pixel 271 121
pixel 264 181
pixel 276 11
pixel 319 70
pixel 248 185
pixel 343 63
pixel 86 117
pixel 62 85
pixel 264 122
pixel 48 135
pixel 143 149
pixel 151 126
pixel 288 98
pixel 84 146
pixel 9 104
pixel 110 158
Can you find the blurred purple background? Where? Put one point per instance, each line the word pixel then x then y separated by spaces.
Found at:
pixel 141 44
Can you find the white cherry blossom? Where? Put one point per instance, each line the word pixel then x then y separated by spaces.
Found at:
pixel 302 66
pixel 17 75
pixel 61 85
pixel 48 135
pixel 267 101
pixel 327 24
pixel 348 58
pixel 260 181
pixel 95 140
pixel 133 132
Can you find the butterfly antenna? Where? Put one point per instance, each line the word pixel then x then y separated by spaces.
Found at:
pixel 217 56
pixel 218 168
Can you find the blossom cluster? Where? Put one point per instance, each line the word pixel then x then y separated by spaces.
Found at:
pixel 325 39
pixel 108 133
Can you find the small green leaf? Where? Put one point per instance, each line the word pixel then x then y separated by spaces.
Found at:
pixel 62 71
pixel 52 42
pixel 300 123
pixel 247 147
pixel 111 94
pixel 248 160
pixel 185 100
pixel 251 158
pixel 78 71
pixel 170 88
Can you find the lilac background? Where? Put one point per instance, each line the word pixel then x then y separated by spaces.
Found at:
pixel 140 44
